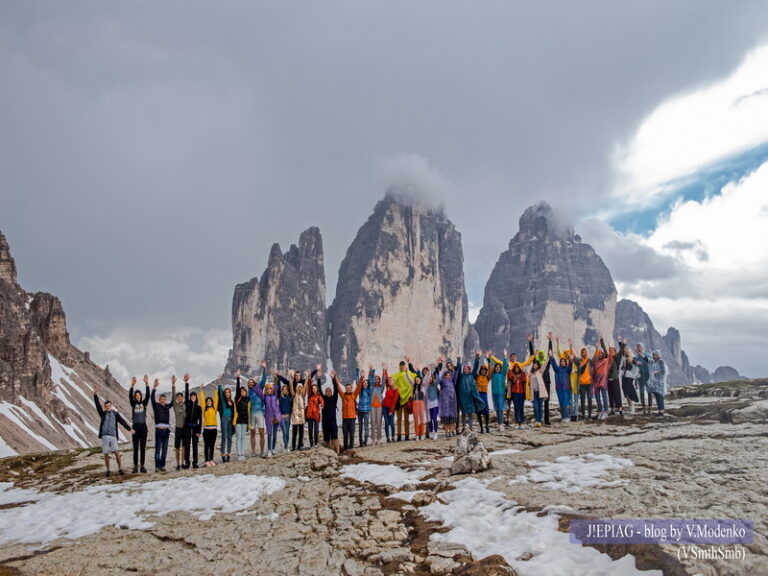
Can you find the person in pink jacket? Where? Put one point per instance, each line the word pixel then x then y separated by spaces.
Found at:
pixel 600 364
pixel 271 413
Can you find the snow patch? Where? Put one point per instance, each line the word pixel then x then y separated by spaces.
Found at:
pixel 407 495
pixel 11 495
pixel 36 409
pixel 130 505
pixel 574 473
pixel 380 474
pixel 504 452
pixel 15 414
pixel 488 523
pixel 6 450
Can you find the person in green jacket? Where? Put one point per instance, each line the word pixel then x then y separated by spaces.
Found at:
pixel 468 397
pixel 499 388
pixel 403 385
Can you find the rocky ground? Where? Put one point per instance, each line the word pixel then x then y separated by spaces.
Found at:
pixel 707 459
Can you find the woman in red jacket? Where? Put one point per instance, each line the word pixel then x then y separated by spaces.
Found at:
pixel 391 399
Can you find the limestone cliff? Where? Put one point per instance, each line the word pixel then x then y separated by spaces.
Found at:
pixel 45 381
pixel 547 280
pixel 400 289
pixel 281 317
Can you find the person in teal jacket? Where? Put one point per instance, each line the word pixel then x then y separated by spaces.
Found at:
pixel 499 388
pixel 469 398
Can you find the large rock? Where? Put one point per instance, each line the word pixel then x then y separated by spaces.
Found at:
pixel 633 323
pixel 45 381
pixel 400 289
pixel 280 318
pixel 725 374
pixel 547 280
pixel 470 456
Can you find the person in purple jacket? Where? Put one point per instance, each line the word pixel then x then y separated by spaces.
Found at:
pixel 271 413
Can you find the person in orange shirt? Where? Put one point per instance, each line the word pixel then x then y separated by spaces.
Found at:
pixel 348 408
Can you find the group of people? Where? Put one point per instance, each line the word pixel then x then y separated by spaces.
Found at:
pixel 445 393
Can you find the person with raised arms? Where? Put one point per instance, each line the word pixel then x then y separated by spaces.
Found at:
pixel 194 423
pixel 210 423
pixel 139 404
pixel 162 412
pixel 109 419
pixel 330 426
pixel 389 405
pixel 378 390
pixel 180 419
pixel 403 414
pixel 227 410
pixel 256 417
pixel 499 387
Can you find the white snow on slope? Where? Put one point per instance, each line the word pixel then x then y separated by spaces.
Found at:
pixel 504 452
pixel 74 432
pixel 15 415
pixel 574 473
pixel 6 450
pixel 11 495
pixel 379 474
pixel 488 523
pixel 130 505
pixel 36 409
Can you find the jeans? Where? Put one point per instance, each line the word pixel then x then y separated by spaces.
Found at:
pixel 376 423
pixel 659 400
pixel 297 439
pixel 272 430
pixel 348 430
pixel 466 420
pixel 564 398
pixel 643 394
pixel 209 443
pixel 161 446
pixel 241 431
pixel 518 401
pixel 574 402
pixel 226 435
pixel 285 427
pixel 389 423
pixel 585 393
pixel 139 444
pixel 601 394
pixel 537 406
pixel 314 431
pixel 364 422
pixel 433 413
pixel 498 405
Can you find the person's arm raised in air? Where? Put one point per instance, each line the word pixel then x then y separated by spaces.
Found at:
pixel 186 387
pixel 336 384
pixel 263 379
pixel 476 365
pixel 96 401
pixel 130 392
pixel 145 400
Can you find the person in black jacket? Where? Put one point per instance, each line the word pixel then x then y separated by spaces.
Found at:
pixel 139 420
pixel 110 418
pixel 194 423
pixel 162 412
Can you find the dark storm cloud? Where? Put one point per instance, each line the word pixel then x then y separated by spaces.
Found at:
pixel 152 152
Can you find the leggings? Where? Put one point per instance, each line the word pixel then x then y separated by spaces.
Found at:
pixel 241 431
pixel 192 441
pixel 628 387
pixel 389 423
pixel 483 415
pixel 139 444
pixel 272 430
pixel 402 414
pixel 226 435
pixel 348 429
pixel 601 394
pixel 161 446
pixel 314 431
pixel 297 438
pixel 518 401
pixel 585 393
pixel 546 403
pixel 433 414
pixel 209 443
pixel 285 428
pixel 364 422
pixel 419 426
pixel 614 393
pixel 376 423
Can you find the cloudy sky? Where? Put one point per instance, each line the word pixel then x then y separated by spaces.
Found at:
pixel 151 152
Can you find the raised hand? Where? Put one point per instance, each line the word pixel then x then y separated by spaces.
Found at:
pixel 133 381
pixel 237 373
pixel 146 379
pixel 186 378
pixel 263 363
pixel 505 352
pixel 333 374
pixel 157 383
pixel 173 379
pixel 549 335
pixel 530 337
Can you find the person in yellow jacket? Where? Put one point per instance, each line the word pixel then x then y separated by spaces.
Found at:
pixel 403 385
pixel 210 423
pixel 570 356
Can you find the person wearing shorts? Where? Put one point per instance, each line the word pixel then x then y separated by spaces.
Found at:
pixel 256 407
pixel 110 418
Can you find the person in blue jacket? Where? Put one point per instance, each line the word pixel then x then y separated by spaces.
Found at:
pixel 562 370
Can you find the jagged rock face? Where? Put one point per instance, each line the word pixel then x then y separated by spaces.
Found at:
pixel 471 342
pixel 547 280
pixel 281 318
pixel 725 374
pixel 633 323
pixel 400 289
pixel 701 374
pixel 45 382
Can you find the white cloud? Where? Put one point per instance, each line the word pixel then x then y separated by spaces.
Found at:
pixel 473 311
pixel 130 352
pixel 691 131
pixel 415 174
pixel 716 294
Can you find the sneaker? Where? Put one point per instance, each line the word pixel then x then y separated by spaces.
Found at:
pixel 399 437
pixel 107 474
pixel 162 469
pixel 120 471
pixel 143 470
pixel 547 423
pixel 269 454
pixel 407 437
pixel 538 424
pixel 178 467
pixel 195 466
pixel 135 471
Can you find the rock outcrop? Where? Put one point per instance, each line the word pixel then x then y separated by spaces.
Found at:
pixel 470 456
pixel 280 318
pixel 400 289
pixel 45 381
pixel 547 280
pixel 633 323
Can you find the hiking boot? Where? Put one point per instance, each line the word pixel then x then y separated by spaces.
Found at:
pixel 120 471
pixel 143 470
pixel 107 474
pixel 135 471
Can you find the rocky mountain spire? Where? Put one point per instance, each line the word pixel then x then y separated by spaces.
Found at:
pixel 7 264
pixel 547 280
pixel 281 317
pixel 400 289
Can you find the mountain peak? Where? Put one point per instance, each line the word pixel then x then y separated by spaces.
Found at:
pixel 541 221
pixel 7 264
